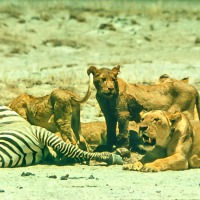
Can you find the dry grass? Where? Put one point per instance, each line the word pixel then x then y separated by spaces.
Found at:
pixel 151 8
pixel 9 38
pixel 10 9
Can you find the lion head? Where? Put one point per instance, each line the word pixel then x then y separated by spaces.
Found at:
pixel 166 78
pixel 105 80
pixel 155 129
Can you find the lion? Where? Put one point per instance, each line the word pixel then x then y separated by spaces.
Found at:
pixel 58 112
pixel 171 142
pixel 95 135
pixel 166 78
pixel 122 102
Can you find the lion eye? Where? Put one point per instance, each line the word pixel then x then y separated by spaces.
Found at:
pixel 103 79
pixel 156 119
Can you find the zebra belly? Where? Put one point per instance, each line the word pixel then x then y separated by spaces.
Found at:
pixel 17 160
pixel 19 150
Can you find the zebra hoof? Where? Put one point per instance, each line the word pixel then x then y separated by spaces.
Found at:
pixel 123 152
pixel 115 160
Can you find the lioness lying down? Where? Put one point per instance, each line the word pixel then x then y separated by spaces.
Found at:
pixel 95 135
pixel 172 142
pixel 122 102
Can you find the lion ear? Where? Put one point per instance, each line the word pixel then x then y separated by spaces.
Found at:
pixel 185 80
pixel 93 70
pixel 163 77
pixel 116 70
pixel 175 116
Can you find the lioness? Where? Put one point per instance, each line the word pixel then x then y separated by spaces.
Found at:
pixel 58 112
pixel 95 135
pixel 172 142
pixel 167 78
pixel 121 102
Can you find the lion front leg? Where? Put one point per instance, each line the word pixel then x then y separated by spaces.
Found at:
pixel 111 132
pixel 174 162
pixel 66 131
pixel 123 123
pixel 111 124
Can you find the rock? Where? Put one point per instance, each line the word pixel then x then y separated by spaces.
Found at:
pixel 64 177
pixel 52 176
pixel 107 27
pixel 27 174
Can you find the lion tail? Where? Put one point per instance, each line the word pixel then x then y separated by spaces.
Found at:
pixel 198 105
pixel 88 93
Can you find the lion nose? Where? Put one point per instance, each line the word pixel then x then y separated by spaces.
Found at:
pixel 111 88
pixel 143 128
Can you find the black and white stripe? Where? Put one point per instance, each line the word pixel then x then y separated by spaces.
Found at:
pixel 22 144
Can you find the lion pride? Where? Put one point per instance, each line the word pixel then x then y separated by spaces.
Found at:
pixel 171 141
pixel 122 102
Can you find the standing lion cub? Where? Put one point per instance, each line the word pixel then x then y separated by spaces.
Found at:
pixel 171 141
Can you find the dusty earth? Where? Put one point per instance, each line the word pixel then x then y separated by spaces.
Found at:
pixel 50 44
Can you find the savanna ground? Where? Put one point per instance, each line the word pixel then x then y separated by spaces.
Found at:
pixel 50 44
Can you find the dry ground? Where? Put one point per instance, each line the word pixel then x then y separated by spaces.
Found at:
pixel 50 44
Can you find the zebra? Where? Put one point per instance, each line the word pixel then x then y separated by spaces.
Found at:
pixel 23 144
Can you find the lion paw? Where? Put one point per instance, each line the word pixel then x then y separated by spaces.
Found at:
pixel 150 168
pixel 137 166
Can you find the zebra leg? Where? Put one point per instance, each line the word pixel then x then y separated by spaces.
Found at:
pixel 68 150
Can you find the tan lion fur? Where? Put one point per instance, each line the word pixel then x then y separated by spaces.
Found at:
pixel 121 102
pixel 166 78
pixel 57 112
pixel 95 133
pixel 171 140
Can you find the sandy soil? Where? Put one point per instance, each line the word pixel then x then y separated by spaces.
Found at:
pixel 50 44
pixel 97 182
